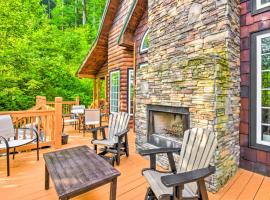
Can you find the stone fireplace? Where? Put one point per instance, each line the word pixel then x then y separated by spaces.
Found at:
pixel 166 125
pixel 193 71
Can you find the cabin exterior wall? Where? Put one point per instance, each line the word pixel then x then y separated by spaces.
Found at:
pixel 253 159
pixel 120 58
pixel 184 36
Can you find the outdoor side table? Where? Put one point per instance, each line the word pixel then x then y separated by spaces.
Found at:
pixel 77 170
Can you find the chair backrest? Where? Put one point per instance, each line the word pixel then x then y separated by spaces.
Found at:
pixel 197 150
pixel 6 127
pixel 118 122
pixel 92 115
pixel 77 109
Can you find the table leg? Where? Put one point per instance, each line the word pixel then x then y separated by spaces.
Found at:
pixel 47 178
pixel 113 189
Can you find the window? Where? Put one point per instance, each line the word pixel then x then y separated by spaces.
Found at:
pixel 130 91
pixel 114 91
pixel 262 3
pixel 142 65
pixel 260 90
pixel 145 43
pixel 260 6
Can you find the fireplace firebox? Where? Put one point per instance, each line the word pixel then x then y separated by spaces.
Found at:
pixel 166 125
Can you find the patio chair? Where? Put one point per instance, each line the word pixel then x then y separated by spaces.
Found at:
pixel 117 141
pixel 8 138
pixel 187 182
pixel 92 118
pixel 74 118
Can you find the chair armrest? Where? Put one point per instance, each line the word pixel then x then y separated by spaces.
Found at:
pixel 187 177
pixel 122 133
pixel 149 152
pixel 98 128
pixel 5 141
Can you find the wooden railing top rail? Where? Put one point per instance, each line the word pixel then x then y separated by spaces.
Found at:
pixel 27 113
pixel 64 102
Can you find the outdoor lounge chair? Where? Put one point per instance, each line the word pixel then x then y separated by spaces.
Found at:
pixel 117 141
pixel 187 182
pixel 92 118
pixel 8 138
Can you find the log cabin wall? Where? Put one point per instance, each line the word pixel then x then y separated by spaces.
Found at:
pixel 251 158
pixel 120 58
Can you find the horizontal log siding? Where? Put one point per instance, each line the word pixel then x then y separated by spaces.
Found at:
pixel 251 159
pixel 119 58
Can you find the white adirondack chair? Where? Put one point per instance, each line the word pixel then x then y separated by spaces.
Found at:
pixel 8 138
pixel 117 141
pixel 187 182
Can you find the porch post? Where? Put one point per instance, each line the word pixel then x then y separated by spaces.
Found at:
pixel 98 92
pixel 58 122
pixel 94 91
pixel 77 100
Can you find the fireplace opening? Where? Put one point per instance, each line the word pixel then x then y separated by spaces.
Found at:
pixel 166 125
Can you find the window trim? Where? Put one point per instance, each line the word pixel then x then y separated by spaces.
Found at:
pixel 142 65
pixel 129 83
pixel 255 107
pixel 259 9
pixel 119 82
pixel 141 46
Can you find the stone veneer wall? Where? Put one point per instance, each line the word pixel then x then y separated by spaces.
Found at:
pixel 183 36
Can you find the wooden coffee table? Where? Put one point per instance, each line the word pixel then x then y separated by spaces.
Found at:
pixel 77 170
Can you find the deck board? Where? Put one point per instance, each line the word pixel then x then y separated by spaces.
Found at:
pixel 27 179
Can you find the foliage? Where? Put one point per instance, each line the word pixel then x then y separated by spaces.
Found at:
pixel 38 56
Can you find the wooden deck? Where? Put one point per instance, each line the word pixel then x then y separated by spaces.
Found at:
pixel 27 179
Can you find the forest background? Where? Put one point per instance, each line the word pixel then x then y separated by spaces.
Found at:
pixel 42 44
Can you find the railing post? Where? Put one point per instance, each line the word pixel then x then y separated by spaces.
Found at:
pixel 58 122
pixel 38 100
pixel 43 103
pixel 77 100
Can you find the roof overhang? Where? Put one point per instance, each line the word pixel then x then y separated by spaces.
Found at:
pixel 126 37
pixel 98 54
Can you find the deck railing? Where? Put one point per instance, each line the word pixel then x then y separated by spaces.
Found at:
pixel 45 117
pixel 43 121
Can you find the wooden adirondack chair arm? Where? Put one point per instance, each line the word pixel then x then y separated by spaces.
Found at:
pixel 187 177
pixel 121 134
pixel 149 152
pixel 98 128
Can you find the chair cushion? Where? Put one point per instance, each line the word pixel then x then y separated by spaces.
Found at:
pixel 160 190
pixel 16 143
pixel 104 143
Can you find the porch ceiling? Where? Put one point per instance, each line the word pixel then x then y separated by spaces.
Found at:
pixel 98 54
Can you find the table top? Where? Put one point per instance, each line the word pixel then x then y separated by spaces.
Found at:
pixel 78 170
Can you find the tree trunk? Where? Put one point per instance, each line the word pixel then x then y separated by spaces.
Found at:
pixel 76 11
pixel 84 12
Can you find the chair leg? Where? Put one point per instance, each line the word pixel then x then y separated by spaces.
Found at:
pixel 126 146
pixel 95 147
pixel 118 153
pixel 38 150
pixel 202 190
pixel 14 150
pixel 149 194
pixel 8 167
